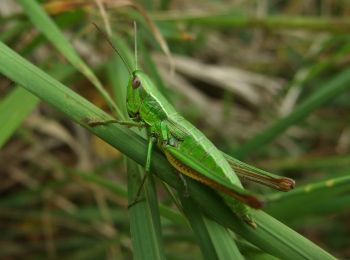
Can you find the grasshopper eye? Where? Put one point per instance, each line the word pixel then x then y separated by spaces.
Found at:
pixel 135 83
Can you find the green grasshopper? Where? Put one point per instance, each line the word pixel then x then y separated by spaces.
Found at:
pixel 187 149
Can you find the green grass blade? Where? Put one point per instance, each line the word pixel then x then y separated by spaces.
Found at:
pixel 326 163
pixel 47 26
pixel 270 236
pixel 325 93
pixel 274 237
pixel 214 240
pixel 286 205
pixel 152 69
pixel 230 19
pixel 118 74
pixel 144 217
pixel 14 108
pixel 19 103
pixel 223 241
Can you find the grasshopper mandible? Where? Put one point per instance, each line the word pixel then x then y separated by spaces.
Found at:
pixel 187 149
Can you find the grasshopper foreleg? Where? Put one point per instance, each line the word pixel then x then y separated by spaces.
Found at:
pixel 151 142
pixel 128 123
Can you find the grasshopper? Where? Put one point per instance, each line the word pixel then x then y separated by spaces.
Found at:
pixel 187 149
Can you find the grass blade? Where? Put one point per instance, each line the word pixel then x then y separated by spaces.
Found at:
pixel 325 93
pixel 144 217
pixel 315 195
pixel 47 26
pixel 12 114
pixel 230 19
pixel 214 240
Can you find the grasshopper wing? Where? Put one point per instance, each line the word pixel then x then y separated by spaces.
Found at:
pixel 254 174
pixel 193 168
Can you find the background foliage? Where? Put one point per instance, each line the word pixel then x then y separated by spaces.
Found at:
pixel 267 81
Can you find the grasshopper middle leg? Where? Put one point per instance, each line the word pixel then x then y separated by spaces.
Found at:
pixel 151 142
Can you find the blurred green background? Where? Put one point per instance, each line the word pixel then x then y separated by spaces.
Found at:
pixel 266 81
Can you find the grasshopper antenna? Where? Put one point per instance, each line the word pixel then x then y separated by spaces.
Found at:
pixel 114 48
pixel 135 45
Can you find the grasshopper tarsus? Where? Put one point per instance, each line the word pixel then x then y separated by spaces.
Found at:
pixel 186 193
pixel 135 202
pixel 251 223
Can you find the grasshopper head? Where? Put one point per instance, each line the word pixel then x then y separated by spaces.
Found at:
pixel 142 92
pixel 135 94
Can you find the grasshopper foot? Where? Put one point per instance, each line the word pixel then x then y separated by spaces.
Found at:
pixel 135 202
pixel 186 193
